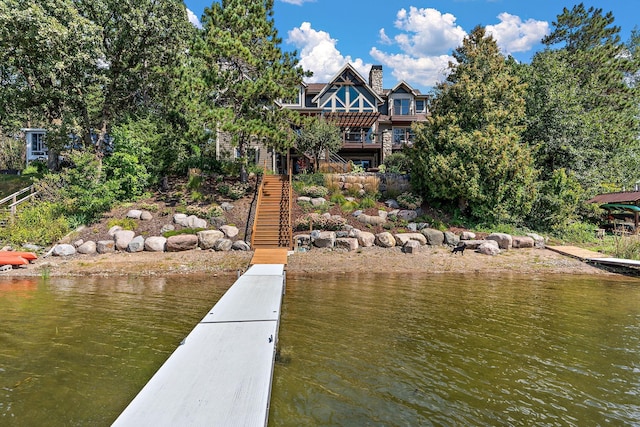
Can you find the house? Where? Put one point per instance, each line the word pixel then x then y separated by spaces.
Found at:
pixel 36 148
pixel 375 122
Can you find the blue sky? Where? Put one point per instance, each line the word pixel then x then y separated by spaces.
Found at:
pixel 413 40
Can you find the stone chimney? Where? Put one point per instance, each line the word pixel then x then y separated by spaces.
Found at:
pixel 375 78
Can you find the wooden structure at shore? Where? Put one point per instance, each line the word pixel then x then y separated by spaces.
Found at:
pixel 221 373
pixel 594 257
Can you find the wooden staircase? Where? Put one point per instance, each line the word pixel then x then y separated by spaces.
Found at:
pixel 272 225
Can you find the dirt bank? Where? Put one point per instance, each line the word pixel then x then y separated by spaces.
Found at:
pixel 371 260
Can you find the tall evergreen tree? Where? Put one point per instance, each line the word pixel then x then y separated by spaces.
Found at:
pixel 583 113
pixel 469 153
pixel 248 73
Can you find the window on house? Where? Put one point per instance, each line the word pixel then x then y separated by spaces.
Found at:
pixel 402 136
pixel 420 106
pixel 401 107
pixel 37 143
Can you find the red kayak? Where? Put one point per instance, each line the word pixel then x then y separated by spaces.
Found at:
pixel 12 260
pixel 29 256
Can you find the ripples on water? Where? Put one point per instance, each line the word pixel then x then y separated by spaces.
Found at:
pixel 454 350
pixel 76 351
pixel 356 350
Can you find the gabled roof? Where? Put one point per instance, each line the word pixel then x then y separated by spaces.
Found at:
pixel 407 87
pixel 620 197
pixel 336 80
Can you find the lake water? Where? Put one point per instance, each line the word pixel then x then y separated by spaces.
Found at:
pixel 355 350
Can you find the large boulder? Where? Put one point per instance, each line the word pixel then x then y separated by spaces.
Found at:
pixel 403 238
pixel 407 215
pixel 325 239
pixel 538 240
pixel 371 219
pixel 195 222
pixel 208 238
pixel 366 239
pixel 385 240
pixel 229 231
pixel 87 248
pixel 489 247
pixel 105 246
pixel 136 245
pixel 240 245
pixel 451 238
pixel 348 243
pixel 122 239
pixel 64 250
pixel 113 230
pixel 180 219
pixel 134 213
pixel 223 245
pixel 468 235
pixel 520 242
pixel 155 244
pixel 302 240
pixel 434 237
pixel 411 247
pixel 504 240
pixel 182 242
pixel 473 244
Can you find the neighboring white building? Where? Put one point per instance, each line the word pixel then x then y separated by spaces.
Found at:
pixel 36 148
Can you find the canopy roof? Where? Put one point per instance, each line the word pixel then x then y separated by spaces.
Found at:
pixel 611 206
pixel 627 197
pixel 353 120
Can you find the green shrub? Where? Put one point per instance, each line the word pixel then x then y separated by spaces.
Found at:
pixel 409 200
pixel 182 231
pixel 349 206
pixel 575 232
pixel 125 223
pixel 40 223
pixel 315 191
pixel 150 207
pixel 234 191
pixel 338 198
pixel 368 202
pixel 396 163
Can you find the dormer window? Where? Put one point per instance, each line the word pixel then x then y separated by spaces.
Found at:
pixel 401 107
pixel 420 106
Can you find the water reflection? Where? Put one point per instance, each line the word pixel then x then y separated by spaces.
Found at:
pixel 457 350
pixel 355 349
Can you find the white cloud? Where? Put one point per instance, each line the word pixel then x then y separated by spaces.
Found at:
pixel 318 53
pixel 419 72
pixel 427 31
pixel 384 38
pixel 513 35
pixel 297 2
pixel 193 19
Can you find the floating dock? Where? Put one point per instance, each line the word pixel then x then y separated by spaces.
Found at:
pixel 594 257
pixel 221 373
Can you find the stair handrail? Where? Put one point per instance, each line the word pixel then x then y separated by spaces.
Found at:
pixel 253 228
pixel 14 198
pixel 289 172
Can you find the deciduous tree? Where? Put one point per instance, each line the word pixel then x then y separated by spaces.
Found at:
pixel 319 137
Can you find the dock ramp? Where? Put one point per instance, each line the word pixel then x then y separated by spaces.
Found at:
pixel 221 373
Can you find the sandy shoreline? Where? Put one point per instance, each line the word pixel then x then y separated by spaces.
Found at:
pixel 373 260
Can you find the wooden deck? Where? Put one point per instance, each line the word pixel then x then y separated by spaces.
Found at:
pixel 270 256
pixel 594 257
pixel 221 373
pixel 576 252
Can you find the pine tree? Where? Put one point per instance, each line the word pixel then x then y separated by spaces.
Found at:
pixel 248 73
pixel 470 153
pixel 583 111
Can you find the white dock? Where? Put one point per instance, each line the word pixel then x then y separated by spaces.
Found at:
pixel 221 374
